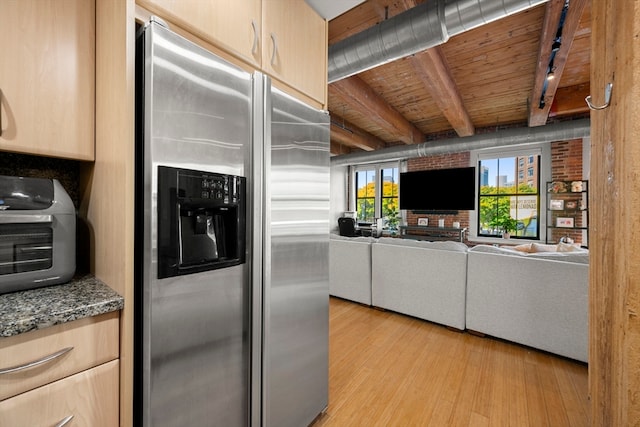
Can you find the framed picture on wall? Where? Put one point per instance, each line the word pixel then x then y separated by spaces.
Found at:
pixel 564 222
pixel 571 205
pixel 423 221
pixel 556 204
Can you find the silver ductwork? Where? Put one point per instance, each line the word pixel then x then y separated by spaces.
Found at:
pixel 427 25
pixel 562 131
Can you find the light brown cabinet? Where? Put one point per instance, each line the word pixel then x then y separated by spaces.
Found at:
pixel 232 25
pixel 71 369
pixel 284 38
pixel 295 46
pixel 89 398
pixel 47 77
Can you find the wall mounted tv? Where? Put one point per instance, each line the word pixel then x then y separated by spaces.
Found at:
pixel 438 189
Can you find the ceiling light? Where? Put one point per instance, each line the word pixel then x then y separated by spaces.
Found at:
pixel 555 46
pixel 550 75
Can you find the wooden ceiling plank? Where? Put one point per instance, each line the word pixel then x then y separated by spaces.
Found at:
pixel 434 72
pixel 359 95
pixel 346 133
pixel 538 116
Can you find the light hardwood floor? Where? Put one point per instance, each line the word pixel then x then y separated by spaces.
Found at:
pixel 386 369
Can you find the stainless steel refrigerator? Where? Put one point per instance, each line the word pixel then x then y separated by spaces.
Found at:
pixel 232 224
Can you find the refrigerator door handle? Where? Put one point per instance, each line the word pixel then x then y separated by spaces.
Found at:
pixel 259 227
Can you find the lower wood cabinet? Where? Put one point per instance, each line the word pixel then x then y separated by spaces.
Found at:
pixel 89 398
pixel 88 342
pixel 66 370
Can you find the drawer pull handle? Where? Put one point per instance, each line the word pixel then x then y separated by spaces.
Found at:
pixel 35 363
pixel 65 421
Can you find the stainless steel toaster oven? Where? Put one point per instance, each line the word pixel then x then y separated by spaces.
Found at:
pixel 37 233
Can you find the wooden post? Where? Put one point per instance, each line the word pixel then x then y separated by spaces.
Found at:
pixel 614 359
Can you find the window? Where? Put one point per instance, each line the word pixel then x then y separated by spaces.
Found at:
pixel 376 194
pixel 389 200
pixel 531 159
pixel 366 195
pixel 507 204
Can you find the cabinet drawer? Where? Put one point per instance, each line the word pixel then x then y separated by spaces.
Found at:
pixel 91 397
pixel 94 340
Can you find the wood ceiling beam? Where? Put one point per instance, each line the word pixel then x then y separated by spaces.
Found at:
pixel 434 73
pixel 538 116
pixel 347 133
pixel 337 149
pixel 570 100
pixel 360 96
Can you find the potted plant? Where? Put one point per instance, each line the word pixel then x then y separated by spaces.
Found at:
pixel 392 220
pixel 508 225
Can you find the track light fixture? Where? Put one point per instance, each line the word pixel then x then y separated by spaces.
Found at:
pixel 555 47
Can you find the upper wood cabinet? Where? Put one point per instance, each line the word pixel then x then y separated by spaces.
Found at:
pixel 47 77
pixel 295 46
pixel 284 38
pixel 232 25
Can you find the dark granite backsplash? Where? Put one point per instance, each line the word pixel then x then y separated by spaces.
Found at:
pixel 65 171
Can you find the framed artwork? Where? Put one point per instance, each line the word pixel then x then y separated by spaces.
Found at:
pixel 423 221
pixel 564 222
pixel 571 204
pixel 557 187
pixel 556 204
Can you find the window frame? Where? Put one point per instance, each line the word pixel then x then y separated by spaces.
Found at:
pixel 377 167
pixel 544 170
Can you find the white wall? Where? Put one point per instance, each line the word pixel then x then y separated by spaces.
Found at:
pixel 339 195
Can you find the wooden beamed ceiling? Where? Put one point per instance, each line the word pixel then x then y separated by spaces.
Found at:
pixel 488 77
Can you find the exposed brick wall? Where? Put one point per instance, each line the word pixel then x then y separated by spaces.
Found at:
pixel 566 165
pixel 447 161
pixel 566 160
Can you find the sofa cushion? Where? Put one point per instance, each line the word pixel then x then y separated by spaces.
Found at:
pixel 444 245
pixel 361 239
pixel 578 255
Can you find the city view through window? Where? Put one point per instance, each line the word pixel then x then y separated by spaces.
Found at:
pixel 509 196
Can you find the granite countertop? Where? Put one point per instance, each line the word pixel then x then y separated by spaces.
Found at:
pixel 83 296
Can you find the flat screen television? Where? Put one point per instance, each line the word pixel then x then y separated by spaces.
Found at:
pixel 438 189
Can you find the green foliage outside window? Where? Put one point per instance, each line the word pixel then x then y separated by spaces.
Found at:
pixel 390 212
pixel 495 208
pixel 365 203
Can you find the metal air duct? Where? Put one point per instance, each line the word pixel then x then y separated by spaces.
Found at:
pixel 562 131
pixel 427 25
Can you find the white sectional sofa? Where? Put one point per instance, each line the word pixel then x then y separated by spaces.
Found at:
pixel 421 279
pixel 536 299
pixel 350 268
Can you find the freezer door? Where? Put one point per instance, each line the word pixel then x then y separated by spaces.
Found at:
pixel 296 263
pixel 193 336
